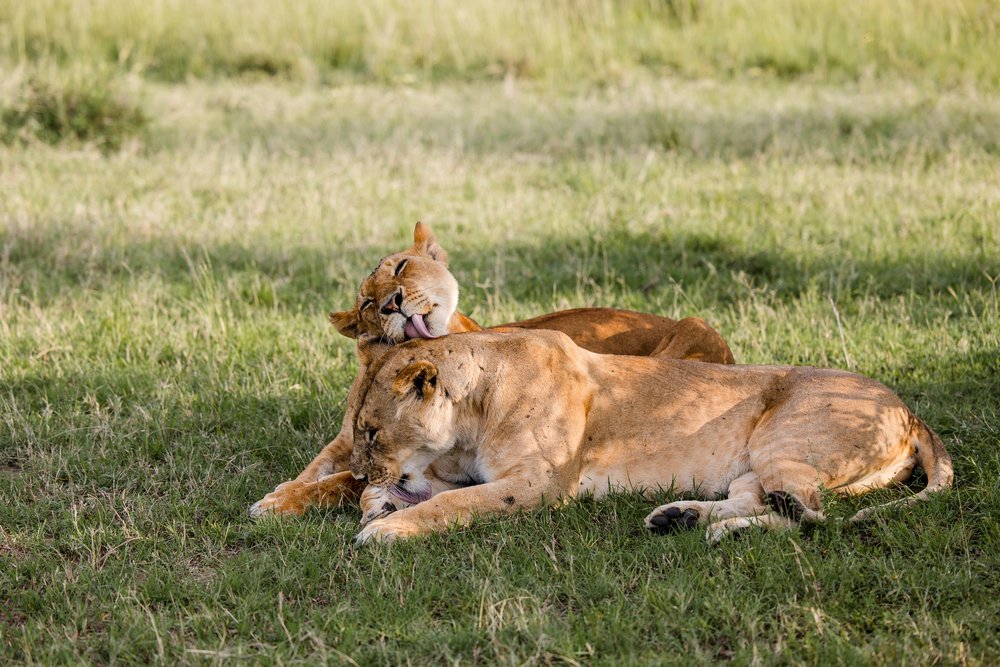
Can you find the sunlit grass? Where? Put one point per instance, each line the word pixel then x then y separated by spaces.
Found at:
pixel 952 42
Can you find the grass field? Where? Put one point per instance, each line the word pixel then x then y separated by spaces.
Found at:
pixel 952 42
pixel 165 358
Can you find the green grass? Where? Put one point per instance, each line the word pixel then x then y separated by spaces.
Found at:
pixel 165 358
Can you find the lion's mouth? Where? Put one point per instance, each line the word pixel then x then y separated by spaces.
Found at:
pixel 415 327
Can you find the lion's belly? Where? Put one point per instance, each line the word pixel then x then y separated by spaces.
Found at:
pixel 680 467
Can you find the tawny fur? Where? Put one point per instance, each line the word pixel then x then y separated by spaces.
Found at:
pixel 529 417
pixel 424 285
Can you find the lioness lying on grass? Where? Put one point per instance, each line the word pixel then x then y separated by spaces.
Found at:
pixel 527 417
pixel 411 294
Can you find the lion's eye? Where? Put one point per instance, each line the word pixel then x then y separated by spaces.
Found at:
pixel 372 434
pixel 365 304
pixel 400 266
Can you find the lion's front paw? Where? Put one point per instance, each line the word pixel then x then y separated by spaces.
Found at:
pixel 385 509
pixel 289 498
pixel 670 518
pixel 377 502
pixel 387 529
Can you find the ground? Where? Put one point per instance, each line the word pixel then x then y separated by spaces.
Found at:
pixel 165 360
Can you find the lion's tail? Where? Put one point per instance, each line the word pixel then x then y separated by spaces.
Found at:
pixel 933 458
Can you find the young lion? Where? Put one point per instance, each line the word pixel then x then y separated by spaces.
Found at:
pixel 411 294
pixel 529 416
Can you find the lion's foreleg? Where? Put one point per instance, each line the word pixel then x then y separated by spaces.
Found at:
pixel 296 497
pixel 456 508
pixel 314 485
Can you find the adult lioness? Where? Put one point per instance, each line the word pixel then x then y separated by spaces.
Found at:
pixel 529 416
pixel 411 294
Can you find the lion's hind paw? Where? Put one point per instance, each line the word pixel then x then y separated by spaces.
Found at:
pixel 670 518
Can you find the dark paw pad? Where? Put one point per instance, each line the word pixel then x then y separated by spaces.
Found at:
pixel 785 504
pixel 673 519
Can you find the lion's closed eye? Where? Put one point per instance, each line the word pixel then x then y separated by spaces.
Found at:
pixel 400 267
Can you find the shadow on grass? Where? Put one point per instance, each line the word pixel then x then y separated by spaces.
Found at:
pixel 540 268
pixel 955 393
pixel 537 268
pixel 201 443
pixel 38 264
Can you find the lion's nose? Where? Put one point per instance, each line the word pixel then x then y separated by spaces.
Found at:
pixel 393 303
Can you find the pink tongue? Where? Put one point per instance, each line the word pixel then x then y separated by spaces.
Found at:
pixel 410 331
pixel 415 328
pixel 411 496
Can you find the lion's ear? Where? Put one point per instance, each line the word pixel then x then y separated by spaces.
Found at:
pixel 347 322
pixel 424 243
pixel 420 376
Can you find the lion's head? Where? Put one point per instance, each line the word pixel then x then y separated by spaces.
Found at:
pixel 404 422
pixel 410 294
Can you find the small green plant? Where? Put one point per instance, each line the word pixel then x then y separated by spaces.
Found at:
pixel 71 106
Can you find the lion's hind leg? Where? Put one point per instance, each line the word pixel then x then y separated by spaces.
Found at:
pixel 749 505
pixel 785 511
pixel 745 497
pixel 792 496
